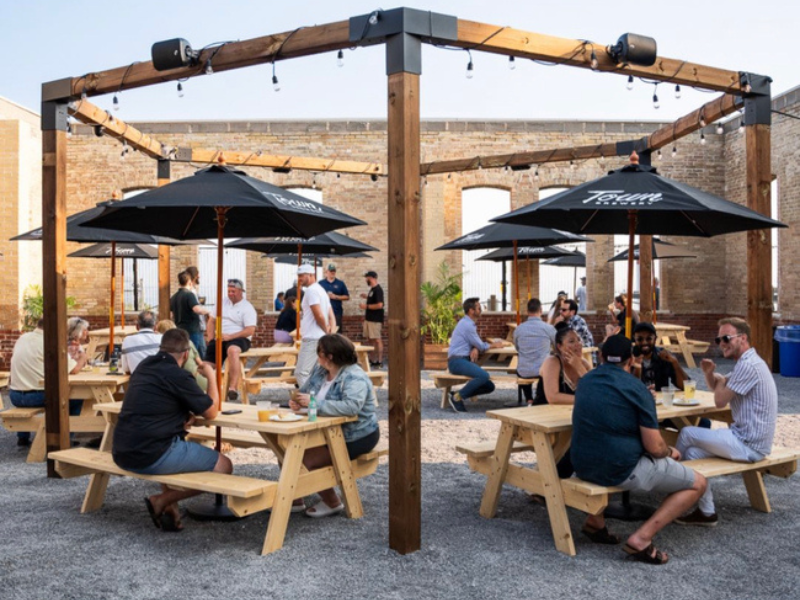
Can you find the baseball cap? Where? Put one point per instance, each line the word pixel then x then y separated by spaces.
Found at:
pixel 617 349
pixel 583 278
pixel 305 270
pixel 561 293
pixel 371 274
pixel 331 267
pixel 237 283
pixel 643 326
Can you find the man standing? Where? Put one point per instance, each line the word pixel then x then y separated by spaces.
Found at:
pixel 569 314
pixel 317 320
pixel 143 343
pixel 373 316
pixel 533 340
pixel 653 365
pixel 239 320
pixel 159 406
pixel 750 390
pixel 580 295
pixel 27 375
pixel 337 293
pixel 616 442
pixel 186 310
pixel 462 356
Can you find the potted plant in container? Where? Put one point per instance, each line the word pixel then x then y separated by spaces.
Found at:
pixel 442 308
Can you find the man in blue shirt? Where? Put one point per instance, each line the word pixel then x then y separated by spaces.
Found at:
pixel 462 356
pixel 616 442
pixel 337 292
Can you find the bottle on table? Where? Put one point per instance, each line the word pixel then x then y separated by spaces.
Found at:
pixel 312 408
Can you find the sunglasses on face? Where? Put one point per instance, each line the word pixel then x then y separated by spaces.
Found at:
pixel 725 338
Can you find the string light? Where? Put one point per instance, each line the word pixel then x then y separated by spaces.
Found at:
pixel 536 174
pixel 275 85
pixel 674 151
pixel 512 64
pixel 658 155
pixel 314 182
pixel 572 165
pixel 115 102
pixel 470 68
pixel 677 91
pixel 180 90
pixel 595 64
pixel 702 138
pixel 720 129
pixel 209 68
pixel 340 58
pixel 69 129
pixel 629 85
pixel 656 103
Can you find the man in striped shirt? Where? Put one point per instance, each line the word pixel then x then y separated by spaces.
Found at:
pixel 750 390
pixel 143 343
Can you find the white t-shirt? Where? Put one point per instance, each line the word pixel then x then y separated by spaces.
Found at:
pixel 27 362
pixel 236 317
pixel 313 295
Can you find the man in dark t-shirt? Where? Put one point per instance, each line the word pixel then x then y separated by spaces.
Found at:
pixel 186 310
pixel 159 405
pixel 616 442
pixel 653 365
pixel 337 292
pixel 373 316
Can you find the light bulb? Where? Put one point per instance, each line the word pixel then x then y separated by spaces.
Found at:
pixel 658 155
pixel 374 17
pixel 674 151
pixel 629 85
pixel 115 102
pixel 209 68
pixel 720 129
pixel 748 88
pixel 594 62
pixel 470 72
pixel 572 165
pixel 677 91
pixel 122 155
pixel 275 85
pixel 512 64
pixel 180 90
pixel 536 175
pixel 702 120
pixel 340 58
pixel 702 138
pixel 656 103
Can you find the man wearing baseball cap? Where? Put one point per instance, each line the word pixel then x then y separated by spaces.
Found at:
pixel 337 293
pixel 239 320
pixel 616 442
pixel 653 365
pixel 317 320
pixel 373 316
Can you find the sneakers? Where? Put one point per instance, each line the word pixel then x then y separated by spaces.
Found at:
pixel 698 519
pixel 233 396
pixel 456 403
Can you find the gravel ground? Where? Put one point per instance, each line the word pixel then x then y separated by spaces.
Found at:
pixel 51 550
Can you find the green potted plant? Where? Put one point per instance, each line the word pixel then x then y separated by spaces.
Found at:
pixel 440 315
pixel 33 306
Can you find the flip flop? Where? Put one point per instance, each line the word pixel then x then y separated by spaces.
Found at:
pixel 320 509
pixel 151 509
pixel 600 536
pixel 650 555
pixel 168 522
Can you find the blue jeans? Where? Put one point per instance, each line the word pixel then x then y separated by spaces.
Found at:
pixel 35 399
pixel 199 342
pixel 480 384
pixel 182 457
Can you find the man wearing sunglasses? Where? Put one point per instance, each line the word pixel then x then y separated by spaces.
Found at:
pixel 750 390
pixel 568 313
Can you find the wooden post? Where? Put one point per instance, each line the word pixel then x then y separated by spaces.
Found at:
pixel 54 279
pixel 629 298
pixel 403 216
pixel 163 252
pixel 759 242
pixel 646 278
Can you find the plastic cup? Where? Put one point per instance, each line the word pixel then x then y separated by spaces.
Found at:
pixel 689 387
pixel 667 396
pixel 265 410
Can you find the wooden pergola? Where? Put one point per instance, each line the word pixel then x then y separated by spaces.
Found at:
pixel 402 31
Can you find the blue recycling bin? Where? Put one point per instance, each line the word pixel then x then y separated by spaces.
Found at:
pixel 788 338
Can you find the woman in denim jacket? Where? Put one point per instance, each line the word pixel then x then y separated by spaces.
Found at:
pixel 342 389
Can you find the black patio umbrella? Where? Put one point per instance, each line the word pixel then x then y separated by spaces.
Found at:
pixel 661 250
pixel 637 200
pixel 505 235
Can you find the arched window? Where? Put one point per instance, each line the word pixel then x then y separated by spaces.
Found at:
pixel 481 279
pixel 553 279
pixel 285 276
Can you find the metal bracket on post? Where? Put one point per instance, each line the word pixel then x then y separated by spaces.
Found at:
pixel 639 146
pixel 54 116
pixel 757 98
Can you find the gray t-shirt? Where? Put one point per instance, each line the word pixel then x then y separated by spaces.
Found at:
pixel 533 340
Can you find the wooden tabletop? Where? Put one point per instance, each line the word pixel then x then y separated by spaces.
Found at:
pixel 670 327
pixel 118 331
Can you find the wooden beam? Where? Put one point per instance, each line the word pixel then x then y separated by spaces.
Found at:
pixel 403 217
pixel 88 113
pixel 759 242
pixel 578 53
pixel 54 276
pixel 695 120
pixel 233 55
pixel 255 159
pixel 646 278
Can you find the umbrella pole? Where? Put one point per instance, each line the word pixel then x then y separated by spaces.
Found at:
pixel 528 264
pixel 516 281
pixel 122 292
pixel 135 286
pixel 299 305
pixel 111 305
pixel 503 286
pixel 629 307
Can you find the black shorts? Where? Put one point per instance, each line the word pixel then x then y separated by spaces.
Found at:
pixel 363 444
pixel 211 349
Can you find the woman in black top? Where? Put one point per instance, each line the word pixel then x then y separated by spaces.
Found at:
pixel 287 322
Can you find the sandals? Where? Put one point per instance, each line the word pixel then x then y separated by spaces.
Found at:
pixel 151 509
pixel 169 523
pixel 320 509
pixel 600 536
pixel 650 555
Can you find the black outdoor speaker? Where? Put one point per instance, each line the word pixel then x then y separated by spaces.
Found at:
pixel 634 49
pixel 172 54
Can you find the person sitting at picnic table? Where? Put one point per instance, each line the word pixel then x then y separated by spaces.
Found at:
pixel 533 340
pixel 26 381
pixel 616 442
pixel 342 389
pixel 158 408
pixel 618 311
pixel 653 365
pixel 280 301
pixel 287 322
pixel 568 313
pixel 462 356
pixel 555 307
pixel 192 364
pixel 750 390
pixel 77 336
pixel 143 343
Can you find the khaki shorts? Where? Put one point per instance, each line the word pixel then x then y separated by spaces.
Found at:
pixel 663 475
pixel 372 330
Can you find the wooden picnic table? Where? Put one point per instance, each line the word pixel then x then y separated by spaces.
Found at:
pixel 289 441
pixel 99 338
pixel 510 350
pixel 547 430
pixel 673 337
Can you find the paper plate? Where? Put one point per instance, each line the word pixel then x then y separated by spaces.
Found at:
pixel 287 419
pixel 684 402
